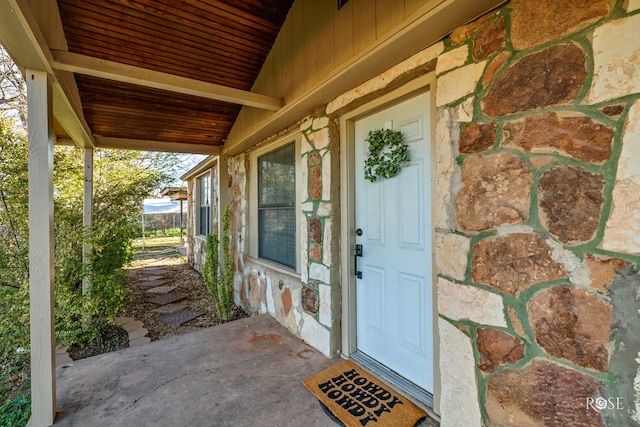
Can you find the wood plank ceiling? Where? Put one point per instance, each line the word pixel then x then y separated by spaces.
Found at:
pixel 214 41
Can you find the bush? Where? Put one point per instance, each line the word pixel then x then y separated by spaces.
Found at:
pixel 80 318
pixel 219 279
pixel 121 181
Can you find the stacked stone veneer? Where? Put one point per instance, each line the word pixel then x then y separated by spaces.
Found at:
pixel 304 303
pixel 196 244
pixel 538 223
pixel 536 216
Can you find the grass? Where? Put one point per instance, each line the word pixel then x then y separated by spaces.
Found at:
pixel 15 404
pixel 155 242
pixel 16 412
pixel 153 245
pixel 170 232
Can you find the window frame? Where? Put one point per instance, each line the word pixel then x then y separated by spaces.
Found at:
pixel 254 237
pixel 199 204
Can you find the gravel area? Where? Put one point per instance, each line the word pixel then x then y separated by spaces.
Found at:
pixel 170 265
pixel 163 263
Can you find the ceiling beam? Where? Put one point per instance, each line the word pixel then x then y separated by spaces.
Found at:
pixel 22 37
pixel 147 145
pixel 111 70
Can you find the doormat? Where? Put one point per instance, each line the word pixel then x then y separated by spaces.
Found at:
pixel 357 398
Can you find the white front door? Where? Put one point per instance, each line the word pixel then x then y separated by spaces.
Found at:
pixel 393 217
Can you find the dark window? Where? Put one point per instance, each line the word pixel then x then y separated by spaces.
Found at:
pixel 276 206
pixel 204 195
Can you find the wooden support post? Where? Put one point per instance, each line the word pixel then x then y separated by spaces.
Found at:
pixel 87 217
pixel 181 236
pixel 41 273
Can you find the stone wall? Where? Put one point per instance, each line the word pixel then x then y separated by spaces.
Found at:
pixel 196 244
pixel 538 216
pixel 310 305
pixel 191 222
pixel 302 303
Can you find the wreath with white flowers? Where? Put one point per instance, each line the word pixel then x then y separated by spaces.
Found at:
pixel 387 154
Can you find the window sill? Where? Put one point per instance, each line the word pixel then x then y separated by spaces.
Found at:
pixel 268 265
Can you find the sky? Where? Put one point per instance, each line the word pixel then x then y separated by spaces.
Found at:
pixel 188 161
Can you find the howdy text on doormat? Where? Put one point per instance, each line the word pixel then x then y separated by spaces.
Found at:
pixel 357 400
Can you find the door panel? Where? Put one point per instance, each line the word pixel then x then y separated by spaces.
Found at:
pixel 374 217
pixel 374 298
pixel 394 296
pixel 410 206
pixel 412 333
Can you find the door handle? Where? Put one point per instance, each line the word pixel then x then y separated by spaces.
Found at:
pixel 357 253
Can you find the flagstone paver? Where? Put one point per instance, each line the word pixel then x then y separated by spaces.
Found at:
pixel 156 271
pixel 179 317
pixel 122 320
pixel 166 299
pixel 152 277
pixel 161 289
pixel 138 333
pixel 132 325
pixel 153 283
pixel 62 357
pixel 170 308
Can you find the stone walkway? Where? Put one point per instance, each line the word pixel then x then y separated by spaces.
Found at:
pixel 161 294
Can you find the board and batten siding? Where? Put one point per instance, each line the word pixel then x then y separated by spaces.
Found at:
pixel 320 46
pixel 317 38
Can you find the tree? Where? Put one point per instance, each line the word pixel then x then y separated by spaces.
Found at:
pixel 13 206
pixel 122 179
pixel 13 100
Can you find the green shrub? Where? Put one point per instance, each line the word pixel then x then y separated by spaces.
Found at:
pixel 122 179
pixel 80 318
pixel 219 279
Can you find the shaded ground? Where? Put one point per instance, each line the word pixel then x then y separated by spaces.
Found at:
pixel 188 283
pixel 111 338
pixel 163 255
pixel 242 373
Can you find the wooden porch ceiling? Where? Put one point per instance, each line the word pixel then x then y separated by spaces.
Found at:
pixel 177 63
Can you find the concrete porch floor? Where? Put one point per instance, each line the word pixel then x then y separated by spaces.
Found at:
pixel 242 373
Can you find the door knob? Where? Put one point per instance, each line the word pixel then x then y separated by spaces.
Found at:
pixel 359 232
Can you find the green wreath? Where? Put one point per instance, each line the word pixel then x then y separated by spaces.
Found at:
pixel 387 153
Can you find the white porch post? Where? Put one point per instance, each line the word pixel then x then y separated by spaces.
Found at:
pixel 41 274
pixel 181 236
pixel 87 218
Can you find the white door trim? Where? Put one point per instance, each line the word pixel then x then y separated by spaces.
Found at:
pixel 347 200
